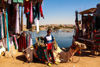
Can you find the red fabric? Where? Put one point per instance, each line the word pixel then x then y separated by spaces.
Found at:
pixel 3 1
pixel 49 46
pixel 26 6
pixel 31 13
pixel 41 11
pixel 22 43
pixel 29 40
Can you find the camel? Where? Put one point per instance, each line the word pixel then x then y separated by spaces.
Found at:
pixel 62 56
pixel 59 55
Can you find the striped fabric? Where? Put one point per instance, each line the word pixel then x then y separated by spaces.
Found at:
pixel 15 42
pixel 97 38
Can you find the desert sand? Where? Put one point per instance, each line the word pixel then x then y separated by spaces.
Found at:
pixel 19 61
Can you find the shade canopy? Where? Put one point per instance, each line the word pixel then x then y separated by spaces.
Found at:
pixel 88 11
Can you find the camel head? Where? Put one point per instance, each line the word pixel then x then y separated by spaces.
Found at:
pixel 80 45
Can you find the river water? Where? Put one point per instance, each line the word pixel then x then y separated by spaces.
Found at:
pixel 63 38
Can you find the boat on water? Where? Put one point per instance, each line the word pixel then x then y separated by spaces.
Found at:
pixel 87 29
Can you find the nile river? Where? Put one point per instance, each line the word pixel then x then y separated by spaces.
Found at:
pixel 63 38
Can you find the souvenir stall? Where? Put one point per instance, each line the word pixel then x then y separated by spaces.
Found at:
pixel 90 28
pixel 11 23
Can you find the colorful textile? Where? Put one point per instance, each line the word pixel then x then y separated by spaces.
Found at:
pixel 15 42
pixel 2 1
pixel 2 30
pixel 7 30
pixel 3 23
pixel 17 19
pixel 15 1
pixel 29 25
pixel 26 6
pixel 18 1
pixel 30 40
pixel 27 39
pixel 41 11
pixel 41 54
pixel 37 25
pixel 12 18
pixel 22 43
pixel 31 13
pixel 37 10
pixel 9 1
pixel 21 18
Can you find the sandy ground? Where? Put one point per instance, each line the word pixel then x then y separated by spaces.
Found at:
pixel 18 61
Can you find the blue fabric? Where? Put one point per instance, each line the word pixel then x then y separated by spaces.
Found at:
pixel 7 30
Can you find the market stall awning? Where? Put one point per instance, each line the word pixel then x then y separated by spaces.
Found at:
pixel 88 11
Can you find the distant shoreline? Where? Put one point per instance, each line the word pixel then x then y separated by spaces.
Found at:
pixel 52 26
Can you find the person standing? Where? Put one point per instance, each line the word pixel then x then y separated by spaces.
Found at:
pixel 49 42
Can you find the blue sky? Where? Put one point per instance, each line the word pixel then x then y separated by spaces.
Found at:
pixel 63 11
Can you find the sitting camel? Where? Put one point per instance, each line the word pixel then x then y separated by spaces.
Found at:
pixel 62 56
pixel 59 55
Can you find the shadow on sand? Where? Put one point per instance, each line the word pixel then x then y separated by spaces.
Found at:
pixel 23 58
